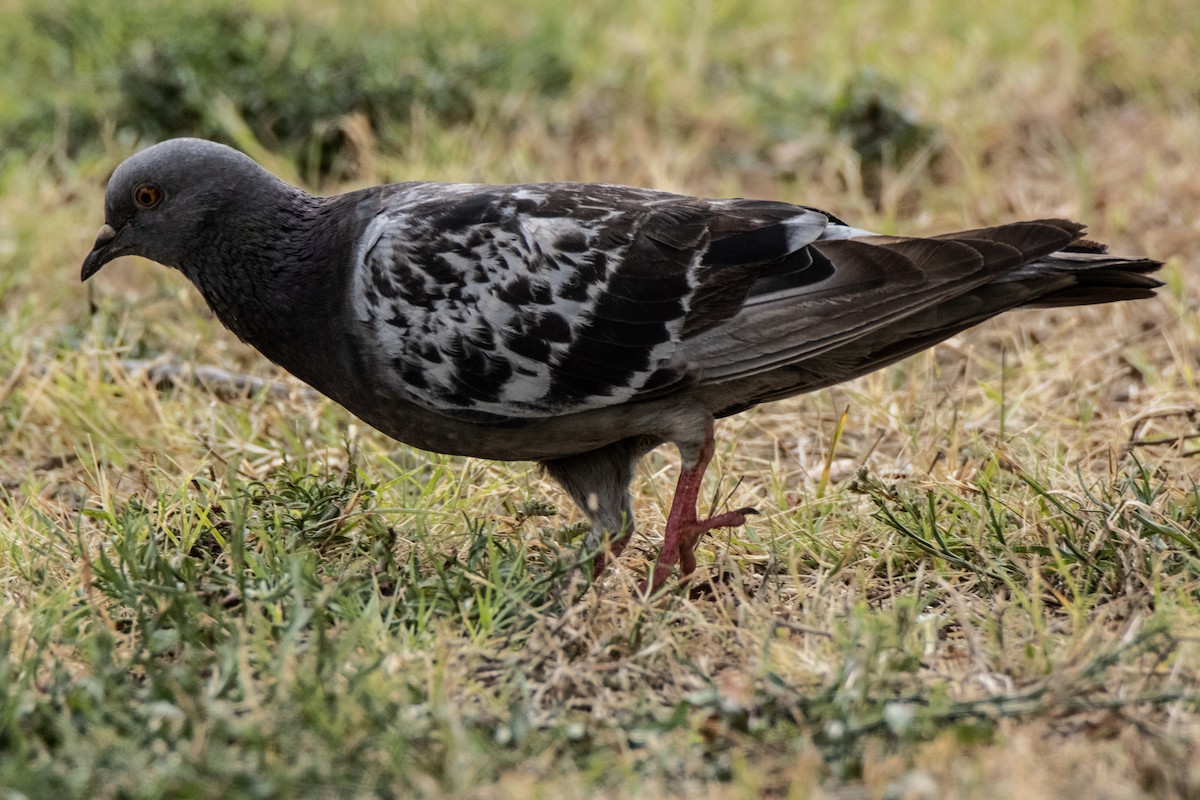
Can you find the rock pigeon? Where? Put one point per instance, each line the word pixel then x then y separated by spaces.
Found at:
pixel 575 325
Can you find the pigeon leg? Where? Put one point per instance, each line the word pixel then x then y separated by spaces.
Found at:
pixel 683 529
pixel 598 482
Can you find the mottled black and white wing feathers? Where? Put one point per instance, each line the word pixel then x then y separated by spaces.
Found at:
pixel 525 302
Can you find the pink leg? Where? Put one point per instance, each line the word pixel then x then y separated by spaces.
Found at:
pixel 683 529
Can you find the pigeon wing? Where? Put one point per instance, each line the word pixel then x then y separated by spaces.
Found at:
pixel 488 303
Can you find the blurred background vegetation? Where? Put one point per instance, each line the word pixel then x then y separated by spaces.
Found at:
pixel 777 78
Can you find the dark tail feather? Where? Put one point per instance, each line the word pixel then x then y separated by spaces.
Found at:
pixel 1106 279
pixel 1060 269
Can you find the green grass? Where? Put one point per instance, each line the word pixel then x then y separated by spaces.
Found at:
pixel 976 574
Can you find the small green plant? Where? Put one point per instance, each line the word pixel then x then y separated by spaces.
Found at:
pixel 870 115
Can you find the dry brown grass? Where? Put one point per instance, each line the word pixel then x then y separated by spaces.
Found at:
pixel 833 657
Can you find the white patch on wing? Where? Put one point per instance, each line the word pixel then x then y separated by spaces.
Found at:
pixel 837 231
pixel 366 243
pixel 530 194
pixel 804 229
pixel 549 229
pixel 527 389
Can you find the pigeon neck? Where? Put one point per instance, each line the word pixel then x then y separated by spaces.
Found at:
pixel 257 271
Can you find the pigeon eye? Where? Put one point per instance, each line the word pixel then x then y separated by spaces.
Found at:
pixel 147 195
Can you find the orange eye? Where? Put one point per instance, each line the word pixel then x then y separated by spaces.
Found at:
pixel 147 195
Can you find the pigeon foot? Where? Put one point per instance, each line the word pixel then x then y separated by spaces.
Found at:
pixel 684 530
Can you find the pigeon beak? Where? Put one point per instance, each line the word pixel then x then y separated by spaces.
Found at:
pixel 102 252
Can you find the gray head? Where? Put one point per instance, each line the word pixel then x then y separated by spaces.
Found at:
pixel 163 202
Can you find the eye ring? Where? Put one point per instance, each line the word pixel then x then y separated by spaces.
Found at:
pixel 147 195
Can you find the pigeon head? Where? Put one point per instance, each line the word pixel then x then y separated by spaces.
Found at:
pixel 165 202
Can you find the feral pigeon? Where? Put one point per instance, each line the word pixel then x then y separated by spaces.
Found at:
pixel 575 325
